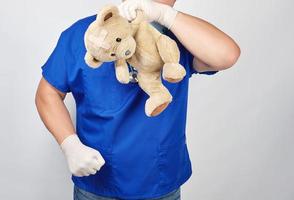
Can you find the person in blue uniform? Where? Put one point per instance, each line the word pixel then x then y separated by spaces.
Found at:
pixel 116 151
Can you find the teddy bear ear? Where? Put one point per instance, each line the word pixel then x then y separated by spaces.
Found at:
pixel 91 61
pixel 107 13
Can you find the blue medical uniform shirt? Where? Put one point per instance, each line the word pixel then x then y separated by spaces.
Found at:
pixel 145 157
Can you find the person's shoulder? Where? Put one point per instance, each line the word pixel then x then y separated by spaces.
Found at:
pixel 79 27
pixel 73 36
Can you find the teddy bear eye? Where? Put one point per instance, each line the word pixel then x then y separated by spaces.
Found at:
pixel 118 39
pixel 113 54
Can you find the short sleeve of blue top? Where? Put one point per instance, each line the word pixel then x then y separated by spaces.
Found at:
pixel 145 157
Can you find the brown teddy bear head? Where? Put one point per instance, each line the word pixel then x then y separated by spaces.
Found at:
pixel 109 38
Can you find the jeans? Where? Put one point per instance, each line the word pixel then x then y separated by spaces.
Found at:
pixel 80 194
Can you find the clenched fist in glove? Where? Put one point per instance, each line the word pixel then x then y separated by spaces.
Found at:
pixel 163 14
pixel 82 160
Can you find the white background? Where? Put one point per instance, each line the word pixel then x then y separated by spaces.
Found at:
pixel 240 121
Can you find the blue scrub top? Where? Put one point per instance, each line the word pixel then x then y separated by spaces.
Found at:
pixel 145 157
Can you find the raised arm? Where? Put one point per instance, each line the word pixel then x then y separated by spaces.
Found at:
pixel 213 49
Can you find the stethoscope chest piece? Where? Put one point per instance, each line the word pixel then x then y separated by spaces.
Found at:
pixel 133 74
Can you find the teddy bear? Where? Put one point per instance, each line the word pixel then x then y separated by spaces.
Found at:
pixel 111 37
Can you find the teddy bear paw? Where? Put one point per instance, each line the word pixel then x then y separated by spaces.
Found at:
pixel 156 104
pixel 173 72
pixel 122 75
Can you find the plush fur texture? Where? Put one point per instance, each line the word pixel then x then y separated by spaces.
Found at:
pixel 112 38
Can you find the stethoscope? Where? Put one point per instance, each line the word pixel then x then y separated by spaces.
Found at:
pixel 133 74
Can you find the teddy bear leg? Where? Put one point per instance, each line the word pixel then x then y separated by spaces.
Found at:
pixel 159 96
pixel 122 71
pixel 172 71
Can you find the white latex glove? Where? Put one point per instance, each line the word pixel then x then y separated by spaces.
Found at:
pixel 82 160
pixel 163 14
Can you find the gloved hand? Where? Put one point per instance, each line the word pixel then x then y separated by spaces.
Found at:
pixel 82 160
pixel 163 14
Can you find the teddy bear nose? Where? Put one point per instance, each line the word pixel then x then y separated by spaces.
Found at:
pixel 128 52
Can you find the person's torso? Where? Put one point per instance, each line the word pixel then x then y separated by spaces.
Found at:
pixel 145 157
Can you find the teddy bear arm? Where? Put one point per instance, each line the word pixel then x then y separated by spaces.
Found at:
pixel 172 71
pixel 122 71
pixel 168 49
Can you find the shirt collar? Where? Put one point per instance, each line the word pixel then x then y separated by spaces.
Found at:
pixel 159 27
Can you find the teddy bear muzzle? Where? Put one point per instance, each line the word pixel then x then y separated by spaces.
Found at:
pixel 126 48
